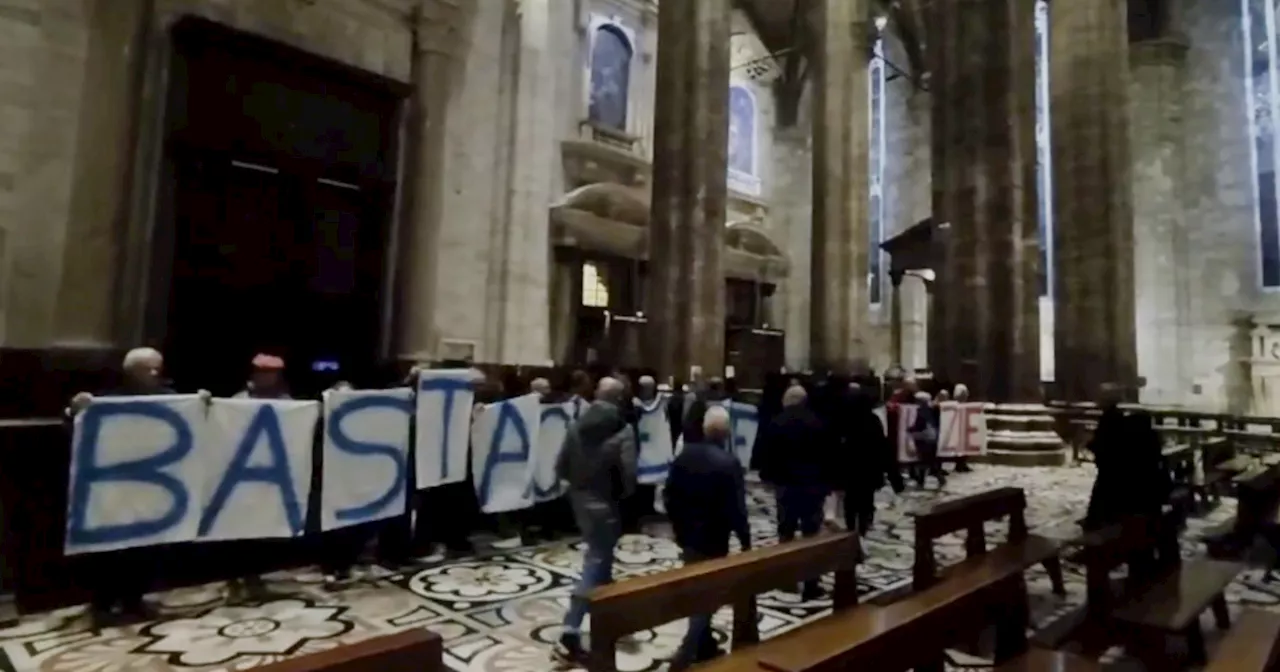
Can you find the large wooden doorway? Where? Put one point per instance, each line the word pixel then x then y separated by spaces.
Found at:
pixel 281 169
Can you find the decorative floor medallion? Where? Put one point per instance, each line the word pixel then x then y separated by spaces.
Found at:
pixel 501 610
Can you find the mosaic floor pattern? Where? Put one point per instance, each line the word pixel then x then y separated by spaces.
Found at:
pixel 501 610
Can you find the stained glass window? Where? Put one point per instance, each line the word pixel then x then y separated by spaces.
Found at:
pixel 1044 157
pixel 610 77
pixel 876 152
pixel 1260 74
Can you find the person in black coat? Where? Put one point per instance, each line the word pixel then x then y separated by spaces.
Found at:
pixel 797 459
pixel 1132 478
pixel 867 459
pixel 705 497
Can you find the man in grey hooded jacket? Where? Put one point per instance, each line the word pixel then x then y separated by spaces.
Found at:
pixel 598 464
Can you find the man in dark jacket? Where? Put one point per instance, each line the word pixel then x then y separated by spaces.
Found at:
pixel 867 458
pixel 1132 478
pixel 797 461
pixel 598 464
pixel 706 500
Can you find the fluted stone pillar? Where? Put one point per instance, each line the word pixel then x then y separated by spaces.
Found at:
pixel 1094 339
pixel 1162 254
pixel 982 85
pixel 838 271
pixel 438 43
pixel 686 299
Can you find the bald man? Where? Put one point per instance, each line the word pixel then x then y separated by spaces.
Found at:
pixel 705 497
pixel 597 462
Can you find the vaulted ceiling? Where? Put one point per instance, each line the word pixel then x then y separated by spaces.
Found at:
pixel 783 30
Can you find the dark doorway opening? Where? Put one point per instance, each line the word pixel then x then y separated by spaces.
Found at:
pixel 274 236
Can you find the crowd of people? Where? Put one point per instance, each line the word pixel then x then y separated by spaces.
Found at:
pixel 818 441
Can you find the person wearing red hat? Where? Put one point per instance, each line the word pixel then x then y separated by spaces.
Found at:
pixel 266 381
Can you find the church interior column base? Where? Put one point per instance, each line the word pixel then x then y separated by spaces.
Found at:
pixel 1023 435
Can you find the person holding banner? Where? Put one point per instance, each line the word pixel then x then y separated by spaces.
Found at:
pixel 121 577
pixel 598 464
pixel 266 381
pixel 706 499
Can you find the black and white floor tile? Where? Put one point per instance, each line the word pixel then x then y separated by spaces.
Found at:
pixel 501 610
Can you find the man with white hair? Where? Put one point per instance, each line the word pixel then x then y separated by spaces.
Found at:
pixel 706 500
pixel 597 462
pixel 121 577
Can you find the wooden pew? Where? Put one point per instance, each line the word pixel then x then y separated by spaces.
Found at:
pixel 969 514
pixel 914 632
pixel 1257 500
pixel 409 651
pixel 640 603
pixel 1162 596
pixel 1041 660
pixel 1253 645
pixel 1219 463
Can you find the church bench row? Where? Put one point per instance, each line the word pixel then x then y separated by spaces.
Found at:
pixel 1162 595
pixel 1253 645
pixel 1257 501
pixel 409 651
pixel 946 607
pixel 636 604
pixel 911 632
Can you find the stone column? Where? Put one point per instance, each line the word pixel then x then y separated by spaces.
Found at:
pixel 115 67
pixel 438 46
pixel 982 86
pixel 1161 250
pixel 686 298
pixel 895 319
pixel 839 312
pixel 1094 339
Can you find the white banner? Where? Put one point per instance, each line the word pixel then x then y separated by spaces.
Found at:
pixel 553 426
pixel 443 418
pixel 134 461
pixel 366 454
pixel 655 449
pixel 962 429
pixel 256 460
pixel 502 445
pixel 744 424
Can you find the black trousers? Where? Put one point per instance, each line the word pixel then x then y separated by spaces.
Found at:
pixel 859 509
pixel 121 577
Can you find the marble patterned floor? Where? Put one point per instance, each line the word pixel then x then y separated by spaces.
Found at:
pixel 501 610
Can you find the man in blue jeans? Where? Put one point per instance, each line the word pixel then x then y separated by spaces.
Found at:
pixel 706 500
pixel 598 464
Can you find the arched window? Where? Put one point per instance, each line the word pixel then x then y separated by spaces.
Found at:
pixel 1044 156
pixel 1260 85
pixel 595 294
pixel 876 152
pixel 610 77
pixel 742 131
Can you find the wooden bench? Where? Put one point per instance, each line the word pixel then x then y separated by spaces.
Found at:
pixel 1042 660
pixel 1257 500
pixel 970 514
pixel 914 632
pixel 1219 463
pixel 640 603
pixel 1251 646
pixel 409 651
pixel 1163 595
